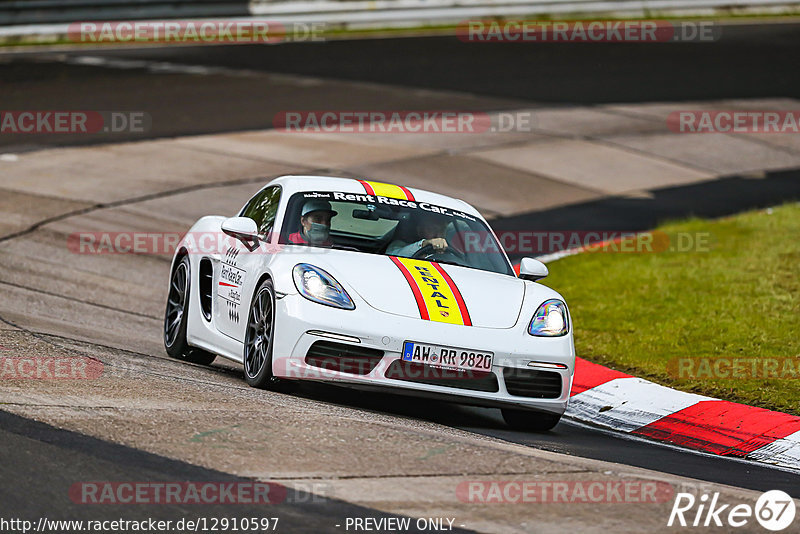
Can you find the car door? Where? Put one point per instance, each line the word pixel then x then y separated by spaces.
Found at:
pixel 238 268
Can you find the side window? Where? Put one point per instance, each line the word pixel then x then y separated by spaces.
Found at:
pixel 262 208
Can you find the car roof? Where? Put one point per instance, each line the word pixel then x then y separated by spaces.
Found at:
pixel 298 183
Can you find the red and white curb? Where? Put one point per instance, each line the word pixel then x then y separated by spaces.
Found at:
pixel 610 399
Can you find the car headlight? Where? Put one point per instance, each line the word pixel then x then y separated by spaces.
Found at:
pixel 317 285
pixel 550 320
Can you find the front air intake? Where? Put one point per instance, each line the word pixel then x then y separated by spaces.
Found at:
pixel 532 384
pixel 206 283
pixel 343 358
pixel 436 376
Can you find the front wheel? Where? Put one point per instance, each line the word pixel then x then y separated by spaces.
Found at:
pixel 530 421
pixel 176 318
pixel 258 339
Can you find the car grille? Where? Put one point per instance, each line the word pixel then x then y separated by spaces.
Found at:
pixel 343 358
pixel 427 374
pixel 530 383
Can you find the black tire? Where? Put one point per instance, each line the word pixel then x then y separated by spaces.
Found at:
pixel 258 339
pixel 530 421
pixel 175 317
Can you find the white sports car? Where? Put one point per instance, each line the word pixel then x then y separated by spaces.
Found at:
pixel 372 285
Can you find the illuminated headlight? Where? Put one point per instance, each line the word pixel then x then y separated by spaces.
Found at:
pixel 550 320
pixel 317 285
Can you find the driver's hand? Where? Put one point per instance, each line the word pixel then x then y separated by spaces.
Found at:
pixel 439 244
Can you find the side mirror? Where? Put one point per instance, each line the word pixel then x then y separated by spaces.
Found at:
pixel 242 228
pixel 531 269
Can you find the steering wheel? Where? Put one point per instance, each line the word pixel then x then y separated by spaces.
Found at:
pixel 428 252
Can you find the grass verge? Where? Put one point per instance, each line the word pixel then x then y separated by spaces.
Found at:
pixel 722 321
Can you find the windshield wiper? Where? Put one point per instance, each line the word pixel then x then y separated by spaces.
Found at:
pixel 344 247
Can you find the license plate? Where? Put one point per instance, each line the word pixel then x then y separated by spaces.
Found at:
pixel 447 357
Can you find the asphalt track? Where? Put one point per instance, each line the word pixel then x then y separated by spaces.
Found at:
pixel 750 62
pixel 52 459
pixel 570 438
pixel 717 198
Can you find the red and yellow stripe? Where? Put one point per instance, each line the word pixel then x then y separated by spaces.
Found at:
pixel 387 190
pixel 437 296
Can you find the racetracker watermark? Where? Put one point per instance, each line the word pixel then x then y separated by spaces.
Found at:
pixel 446 366
pixel 607 241
pixel 195 31
pixel 564 492
pixel 184 524
pixel 477 242
pixel 167 243
pixel 590 31
pixel 50 368
pixel 403 121
pixel 74 122
pixel 155 243
pixel 177 493
pixel 738 122
pixel 737 368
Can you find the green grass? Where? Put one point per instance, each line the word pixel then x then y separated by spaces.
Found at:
pixel 636 312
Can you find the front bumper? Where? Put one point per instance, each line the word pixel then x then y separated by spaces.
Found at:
pixel 298 318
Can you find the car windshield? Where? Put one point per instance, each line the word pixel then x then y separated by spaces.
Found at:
pixel 392 227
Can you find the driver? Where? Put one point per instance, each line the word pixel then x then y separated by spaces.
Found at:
pixel 315 224
pixel 431 229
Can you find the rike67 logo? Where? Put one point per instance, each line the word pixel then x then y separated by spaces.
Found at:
pixel 774 510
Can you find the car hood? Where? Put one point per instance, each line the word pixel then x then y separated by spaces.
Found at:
pixel 488 300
